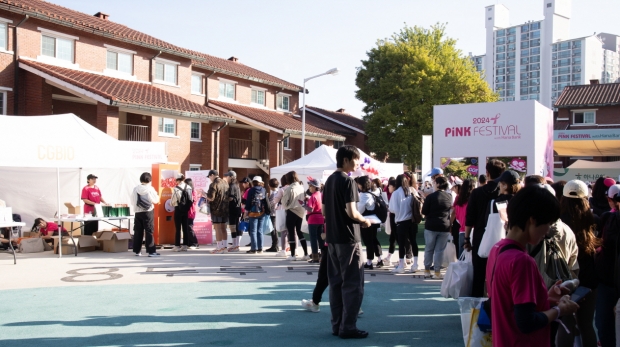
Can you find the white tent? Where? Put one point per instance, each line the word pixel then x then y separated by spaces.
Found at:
pixel 586 164
pixel 321 162
pixel 35 147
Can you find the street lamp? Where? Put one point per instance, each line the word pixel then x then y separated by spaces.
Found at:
pixel 333 71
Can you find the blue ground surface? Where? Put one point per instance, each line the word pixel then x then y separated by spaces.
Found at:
pixel 220 314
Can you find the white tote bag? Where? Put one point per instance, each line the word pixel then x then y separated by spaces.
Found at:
pixel 494 231
pixel 280 220
pixel 449 253
pixel 459 278
pixel 472 335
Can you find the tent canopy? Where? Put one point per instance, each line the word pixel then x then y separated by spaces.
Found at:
pixel 66 141
pixel 321 162
pixel 586 164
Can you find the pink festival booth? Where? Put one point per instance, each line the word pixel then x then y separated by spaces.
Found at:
pixel 520 133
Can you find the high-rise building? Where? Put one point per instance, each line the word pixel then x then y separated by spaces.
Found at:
pixel 537 59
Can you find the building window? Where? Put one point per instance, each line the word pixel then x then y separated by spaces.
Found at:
pixel 3 103
pixel 56 47
pixel 338 144
pixel 195 131
pixel 317 144
pixel 196 84
pixel 584 117
pixel 167 126
pixel 166 72
pixel 3 35
pixel 118 61
pixel 282 102
pixel 227 90
pixel 286 143
pixel 194 167
pixel 258 97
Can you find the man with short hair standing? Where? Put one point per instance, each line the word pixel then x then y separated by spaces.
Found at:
pixel 344 267
pixel 218 203
pixel 142 199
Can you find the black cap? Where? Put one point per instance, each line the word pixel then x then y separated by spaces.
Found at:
pixel 246 180
pixel 509 177
pixel 213 172
pixel 91 176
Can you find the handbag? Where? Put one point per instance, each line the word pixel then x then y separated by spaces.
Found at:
pixel 459 278
pixel 470 312
pixel 267 225
pixel 280 220
pixel 449 253
pixel 494 231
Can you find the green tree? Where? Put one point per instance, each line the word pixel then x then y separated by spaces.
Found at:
pixel 403 78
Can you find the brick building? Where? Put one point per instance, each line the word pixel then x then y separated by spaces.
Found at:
pixel 587 123
pixel 341 123
pixel 210 112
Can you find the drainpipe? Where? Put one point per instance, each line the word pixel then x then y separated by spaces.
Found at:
pixel 207 88
pixel 151 66
pixel 16 67
pixel 217 146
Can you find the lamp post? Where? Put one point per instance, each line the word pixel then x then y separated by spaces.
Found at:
pixel 332 72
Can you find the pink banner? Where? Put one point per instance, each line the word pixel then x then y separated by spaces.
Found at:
pixel 202 223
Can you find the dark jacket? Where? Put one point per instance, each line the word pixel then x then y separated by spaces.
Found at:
pixel 436 208
pixel 605 260
pixel 253 191
pixel 599 207
pixel 478 208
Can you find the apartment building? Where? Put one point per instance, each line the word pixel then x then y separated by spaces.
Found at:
pixel 536 59
pixel 210 112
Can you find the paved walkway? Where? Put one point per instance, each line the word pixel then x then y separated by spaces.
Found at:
pixel 195 298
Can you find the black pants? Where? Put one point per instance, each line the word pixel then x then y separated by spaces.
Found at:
pixel 480 266
pixel 193 240
pixel 91 227
pixel 143 229
pixel 346 285
pixel 274 233
pixel 322 281
pixel 373 247
pixel 405 235
pixel 181 220
pixel 293 225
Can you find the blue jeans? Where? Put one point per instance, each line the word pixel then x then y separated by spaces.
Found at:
pixel 604 318
pixel 436 242
pixel 315 231
pixel 255 229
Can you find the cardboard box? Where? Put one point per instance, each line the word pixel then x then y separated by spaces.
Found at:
pixel 86 243
pixel 73 209
pixel 114 242
pixel 66 250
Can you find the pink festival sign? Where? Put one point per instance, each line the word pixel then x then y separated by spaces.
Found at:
pixel 202 223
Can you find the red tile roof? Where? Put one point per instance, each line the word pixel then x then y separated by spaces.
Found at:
pixel 589 95
pixel 323 123
pixel 274 119
pixel 237 69
pixel 67 17
pixel 125 93
pixel 340 117
pixel 64 16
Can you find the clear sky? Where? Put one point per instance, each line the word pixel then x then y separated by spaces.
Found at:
pixel 297 39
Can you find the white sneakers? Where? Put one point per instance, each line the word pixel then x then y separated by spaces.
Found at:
pixel 310 305
pixel 184 248
pixel 281 254
pixel 414 268
pixel 305 257
pixel 176 249
pixel 398 270
pixel 292 258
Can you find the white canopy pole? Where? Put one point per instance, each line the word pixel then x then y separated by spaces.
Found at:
pixel 58 213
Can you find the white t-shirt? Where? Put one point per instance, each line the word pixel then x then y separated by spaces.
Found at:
pixel 367 202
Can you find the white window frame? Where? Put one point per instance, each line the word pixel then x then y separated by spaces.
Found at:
pixel 201 76
pixel 593 111
pixel 234 85
pixel 57 35
pixel 6 22
pixel 199 138
pixel 165 134
pixel 317 142
pixel 117 50
pixel 258 89
pixel 3 91
pixel 165 62
pixel 286 143
pixel 289 102
pixel 336 142
pixel 195 167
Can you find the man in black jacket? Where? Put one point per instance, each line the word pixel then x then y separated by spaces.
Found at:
pixel 476 218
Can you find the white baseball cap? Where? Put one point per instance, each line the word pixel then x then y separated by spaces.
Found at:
pixel 257 179
pixel 575 189
pixel 613 192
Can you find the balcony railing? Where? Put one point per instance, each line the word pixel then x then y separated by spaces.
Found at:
pixel 247 149
pixel 130 132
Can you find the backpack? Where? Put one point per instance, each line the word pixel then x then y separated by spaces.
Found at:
pixel 416 208
pixel 144 201
pixel 185 201
pixel 381 210
pixel 555 267
pixel 257 205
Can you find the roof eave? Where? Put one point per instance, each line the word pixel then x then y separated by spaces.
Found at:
pixel 336 121
pixel 172 112
pixel 313 134
pixel 43 17
pixel 587 105
pixel 259 80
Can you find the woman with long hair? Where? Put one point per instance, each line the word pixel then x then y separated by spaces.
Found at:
pixel 272 191
pixel 283 233
pixel 292 199
pixel 366 206
pixel 400 205
pixel 598 201
pixel 459 210
pixel 191 215
pixel 391 223
pixel 436 209
pixel 234 209
pixel 575 212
